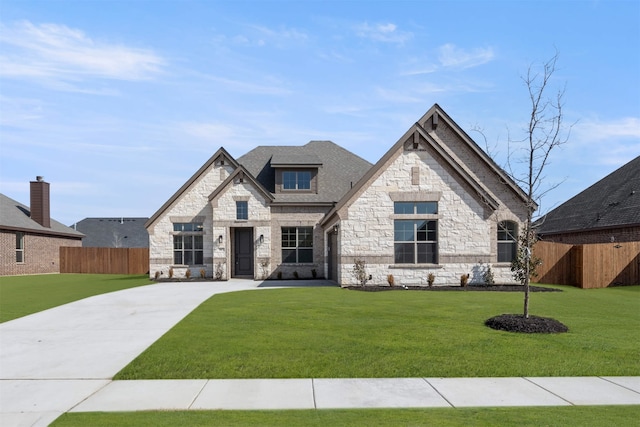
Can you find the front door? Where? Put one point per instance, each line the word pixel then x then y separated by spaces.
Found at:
pixel 243 252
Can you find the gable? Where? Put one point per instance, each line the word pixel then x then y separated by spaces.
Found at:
pixel 438 135
pixel 239 176
pixel 220 158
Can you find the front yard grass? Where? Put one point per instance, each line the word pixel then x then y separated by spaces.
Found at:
pixel 23 295
pixel 333 332
pixel 593 416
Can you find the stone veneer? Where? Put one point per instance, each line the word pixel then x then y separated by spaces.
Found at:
pixel 467 227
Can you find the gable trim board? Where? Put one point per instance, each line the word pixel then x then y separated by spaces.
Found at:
pixel 433 160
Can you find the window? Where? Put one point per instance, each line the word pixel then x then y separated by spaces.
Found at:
pixel 415 240
pixel 507 241
pixel 188 245
pixel 19 247
pixel 297 244
pixel 242 210
pixel 296 180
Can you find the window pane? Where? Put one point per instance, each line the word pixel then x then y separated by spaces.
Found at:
pixel 177 242
pixel 432 227
pixel 188 257
pixel 242 210
pixel 199 257
pixel 304 180
pixel 421 227
pixel 403 253
pixel 305 255
pixel 19 255
pixel 177 226
pixel 427 253
pixel 305 237
pixel 403 231
pixel 288 237
pixel 289 180
pixel 427 207
pixel 188 242
pixel 506 251
pixel 288 255
pixel 403 207
pixel 19 240
pixel 177 257
pixel 197 242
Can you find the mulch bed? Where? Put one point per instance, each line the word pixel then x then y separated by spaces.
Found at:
pixel 478 288
pixel 531 325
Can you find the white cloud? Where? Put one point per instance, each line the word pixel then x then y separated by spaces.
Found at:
pixel 59 53
pixel 452 56
pixel 596 130
pixel 387 33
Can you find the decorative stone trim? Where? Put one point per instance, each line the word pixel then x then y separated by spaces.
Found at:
pixel 415 196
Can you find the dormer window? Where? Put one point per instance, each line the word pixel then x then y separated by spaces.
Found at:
pixel 296 180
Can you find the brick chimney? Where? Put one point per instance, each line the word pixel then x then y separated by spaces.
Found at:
pixel 40 208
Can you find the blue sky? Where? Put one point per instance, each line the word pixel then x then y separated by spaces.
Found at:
pixel 118 103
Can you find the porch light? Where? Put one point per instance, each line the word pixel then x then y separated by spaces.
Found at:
pixel 261 238
pixel 335 229
pixel 220 238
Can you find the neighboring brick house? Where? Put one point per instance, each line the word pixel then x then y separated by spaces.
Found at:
pixel 435 203
pixel 121 232
pixel 606 212
pixel 30 240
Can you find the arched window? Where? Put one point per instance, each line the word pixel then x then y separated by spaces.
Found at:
pixel 507 241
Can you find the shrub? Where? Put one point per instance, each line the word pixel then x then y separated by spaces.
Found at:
pixel 295 274
pixel 360 272
pixel 157 275
pixel 171 273
pixel 279 275
pixel 431 278
pixel 391 280
pixel 203 273
pixel 187 274
pixel 487 276
pixel 219 270
pixel 314 273
pixel 464 279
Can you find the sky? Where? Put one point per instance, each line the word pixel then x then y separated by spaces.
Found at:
pixel 118 103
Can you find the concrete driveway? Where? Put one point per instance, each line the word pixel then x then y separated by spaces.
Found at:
pixel 50 361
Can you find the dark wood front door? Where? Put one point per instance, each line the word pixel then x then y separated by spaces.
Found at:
pixel 243 252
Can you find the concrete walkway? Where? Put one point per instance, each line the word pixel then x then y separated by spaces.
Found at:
pixel 63 359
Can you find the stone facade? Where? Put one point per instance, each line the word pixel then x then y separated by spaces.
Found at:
pixel 41 253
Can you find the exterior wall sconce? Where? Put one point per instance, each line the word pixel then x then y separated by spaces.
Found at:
pixel 220 238
pixel 335 229
pixel 261 239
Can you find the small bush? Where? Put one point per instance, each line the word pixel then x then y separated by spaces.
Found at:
pixel 187 274
pixel 171 273
pixel 431 278
pixel 391 280
pixel 464 280
pixel 314 273
pixel 203 273
pixel 295 274
pixel 487 276
pixel 157 275
pixel 279 275
pixel 360 272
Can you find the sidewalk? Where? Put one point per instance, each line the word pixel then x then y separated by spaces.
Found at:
pixel 62 360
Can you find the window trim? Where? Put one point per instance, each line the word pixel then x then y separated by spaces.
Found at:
pixel 297 248
pixel 513 241
pixel 428 216
pixel 242 209
pixel 20 238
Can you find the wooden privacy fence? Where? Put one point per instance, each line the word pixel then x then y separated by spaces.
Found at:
pixel 104 260
pixel 589 266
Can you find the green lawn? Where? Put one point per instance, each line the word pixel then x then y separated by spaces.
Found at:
pixel 22 295
pixel 593 416
pixel 333 332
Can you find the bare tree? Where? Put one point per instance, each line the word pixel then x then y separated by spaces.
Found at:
pixel 545 132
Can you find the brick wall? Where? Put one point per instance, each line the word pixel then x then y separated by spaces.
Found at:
pixel 41 253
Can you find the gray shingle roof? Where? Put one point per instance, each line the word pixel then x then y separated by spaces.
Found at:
pixel 114 232
pixel 16 216
pixel 613 201
pixel 339 171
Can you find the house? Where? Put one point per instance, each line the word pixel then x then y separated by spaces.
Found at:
pixel 119 232
pixel 608 211
pixel 434 203
pixel 30 239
